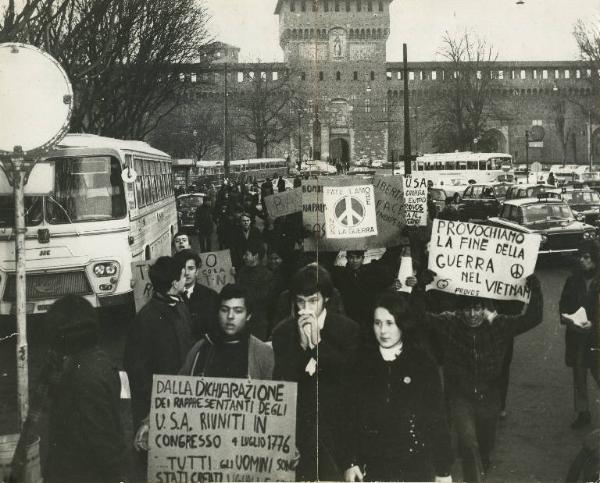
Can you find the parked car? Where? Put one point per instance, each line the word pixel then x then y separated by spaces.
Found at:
pixel 585 202
pixel 186 208
pixel 479 201
pixel 551 217
pixel 518 191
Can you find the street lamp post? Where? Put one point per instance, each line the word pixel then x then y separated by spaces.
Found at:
pixel 527 153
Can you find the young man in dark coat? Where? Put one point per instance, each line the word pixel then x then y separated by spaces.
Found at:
pixel 229 350
pixel 581 290
pixel 316 349
pixel 475 340
pixel 201 301
pixel 158 340
pixel 85 433
pixel 243 234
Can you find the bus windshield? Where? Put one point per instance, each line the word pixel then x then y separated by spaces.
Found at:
pixel 85 189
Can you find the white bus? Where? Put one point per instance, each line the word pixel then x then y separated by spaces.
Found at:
pixel 85 224
pixel 461 167
pixel 214 171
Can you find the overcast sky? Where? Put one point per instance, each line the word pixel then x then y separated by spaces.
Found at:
pixel 537 30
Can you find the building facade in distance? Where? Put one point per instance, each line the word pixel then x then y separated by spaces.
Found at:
pixel 352 97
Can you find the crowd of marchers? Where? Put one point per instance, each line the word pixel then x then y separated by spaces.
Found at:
pixel 384 375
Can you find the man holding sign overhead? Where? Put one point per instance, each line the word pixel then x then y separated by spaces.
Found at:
pixel 475 339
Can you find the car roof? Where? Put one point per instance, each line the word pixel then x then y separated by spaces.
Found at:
pixel 531 201
pixel 185 195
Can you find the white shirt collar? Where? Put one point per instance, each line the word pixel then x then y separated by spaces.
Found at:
pixel 190 290
pixel 391 353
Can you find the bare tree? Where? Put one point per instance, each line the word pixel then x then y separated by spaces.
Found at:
pixel 465 102
pixel 191 131
pixel 121 57
pixel 587 36
pixel 262 106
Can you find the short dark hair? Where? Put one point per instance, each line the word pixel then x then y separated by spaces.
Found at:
pixel 311 279
pixel 592 248
pixel 180 233
pixel 184 255
pixel 72 324
pixel 163 272
pixel 256 247
pixel 399 306
pixel 358 253
pixel 465 302
pixel 236 291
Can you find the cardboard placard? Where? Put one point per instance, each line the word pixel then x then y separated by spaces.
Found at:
pixel 218 429
pixel 215 270
pixel 389 213
pixel 482 260
pixel 286 203
pixel 349 211
pixel 142 287
pixel 415 199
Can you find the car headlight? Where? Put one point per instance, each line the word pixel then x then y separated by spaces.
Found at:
pixel 106 269
pixel 588 235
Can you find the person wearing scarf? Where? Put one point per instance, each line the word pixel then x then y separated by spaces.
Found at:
pixel 229 350
pixel 397 426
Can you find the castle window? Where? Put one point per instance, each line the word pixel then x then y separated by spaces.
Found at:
pixel 378 33
pixel 326 5
pixel 358 5
pixel 338 75
pixel 315 5
pixel 321 76
pixel 337 5
pixel 293 6
pixel 347 5
pixel 312 33
pixel 367 105
pixel 302 75
pixel 324 32
pixel 372 75
pixel 370 6
pixel 380 6
pixel 303 6
pixel 355 75
pixel 351 34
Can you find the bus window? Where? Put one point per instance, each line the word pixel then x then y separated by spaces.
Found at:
pixel 86 189
pixel 450 165
pixel 462 165
pixel 472 165
pixel 139 192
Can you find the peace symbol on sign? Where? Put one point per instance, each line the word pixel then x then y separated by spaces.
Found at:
pixel 516 270
pixel 349 211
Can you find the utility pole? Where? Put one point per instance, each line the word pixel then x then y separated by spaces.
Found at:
pixel 407 146
pixel 225 129
pixel 527 153
pixel 589 139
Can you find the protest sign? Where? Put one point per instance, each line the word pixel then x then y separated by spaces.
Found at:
pixel 142 287
pixel 482 260
pixel 349 211
pixel 286 203
pixel 217 429
pixel 215 270
pixel 389 213
pixel 415 200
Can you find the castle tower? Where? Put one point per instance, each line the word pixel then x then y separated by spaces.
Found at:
pixel 336 51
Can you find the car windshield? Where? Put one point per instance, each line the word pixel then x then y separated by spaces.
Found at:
pixel 437 195
pixel 546 212
pixel 501 190
pixel 582 197
pixel 189 202
pixel 85 189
